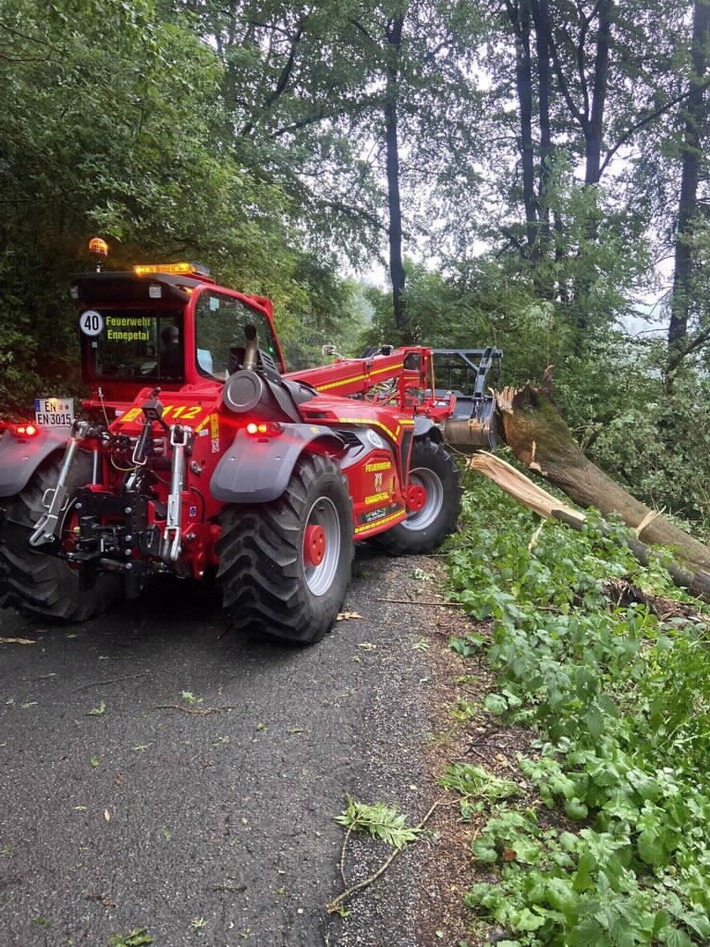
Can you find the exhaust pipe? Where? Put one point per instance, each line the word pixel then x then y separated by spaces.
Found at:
pixel 251 351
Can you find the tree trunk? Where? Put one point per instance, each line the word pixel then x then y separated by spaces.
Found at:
pixel 520 18
pixel 691 156
pixel 544 504
pixel 538 436
pixel 394 207
pixel 594 127
pixel 542 46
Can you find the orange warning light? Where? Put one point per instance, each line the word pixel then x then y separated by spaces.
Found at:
pixel 172 269
pixel 98 246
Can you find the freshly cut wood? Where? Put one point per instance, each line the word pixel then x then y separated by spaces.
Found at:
pixel 540 501
pixel 537 434
pixel 523 489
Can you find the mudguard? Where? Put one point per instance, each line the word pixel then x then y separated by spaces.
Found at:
pixel 424 426
pixel 257 470
pixel 20 459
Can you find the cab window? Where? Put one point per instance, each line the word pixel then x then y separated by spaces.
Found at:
pixel 219 334
pixel 133 345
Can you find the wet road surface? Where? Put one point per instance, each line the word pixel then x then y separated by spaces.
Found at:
pixel 160 773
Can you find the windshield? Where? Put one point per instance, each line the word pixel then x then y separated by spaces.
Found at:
pixel 132 345
pixel 219 334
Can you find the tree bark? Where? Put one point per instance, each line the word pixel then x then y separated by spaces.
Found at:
pixel 691 156
pixel 520 17
pixel 537 434
pixel 393 36
pixel 542 47
pixel 594 127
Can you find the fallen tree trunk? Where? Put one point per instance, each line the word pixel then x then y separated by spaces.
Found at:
pixel 526 492
pixel 537 434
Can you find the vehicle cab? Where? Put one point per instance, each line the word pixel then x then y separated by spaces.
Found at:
pixel 168 326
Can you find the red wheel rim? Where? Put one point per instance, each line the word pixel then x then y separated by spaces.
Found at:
pixel 313 545
pixel 416 497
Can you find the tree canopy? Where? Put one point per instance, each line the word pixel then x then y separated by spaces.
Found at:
pixel 532 174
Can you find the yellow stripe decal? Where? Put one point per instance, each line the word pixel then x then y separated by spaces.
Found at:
pixel 348 381
pixel 129 416
pixel 203 423
pixel 368 422
pixel 337 384
pixel 377 523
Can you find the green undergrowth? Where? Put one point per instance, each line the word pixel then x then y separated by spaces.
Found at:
pixel 607 843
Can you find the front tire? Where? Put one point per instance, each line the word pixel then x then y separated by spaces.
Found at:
pixel 285 566
pixel 434 502
pixel 39 583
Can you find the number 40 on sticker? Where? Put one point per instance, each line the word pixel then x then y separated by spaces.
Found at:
pixel 91 322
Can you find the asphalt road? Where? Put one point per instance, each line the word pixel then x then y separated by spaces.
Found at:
pixel 159 773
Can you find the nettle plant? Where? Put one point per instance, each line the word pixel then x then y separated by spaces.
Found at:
pixel 613 849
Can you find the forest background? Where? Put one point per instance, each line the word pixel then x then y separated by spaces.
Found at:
pixel 533 174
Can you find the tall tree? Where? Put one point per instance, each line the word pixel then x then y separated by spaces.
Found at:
pixel 593 82
pixel 393 38
pixel 696 132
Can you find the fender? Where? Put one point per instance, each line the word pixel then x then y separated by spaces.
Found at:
pixel 257 470
pixel 20 459
pixel 425 427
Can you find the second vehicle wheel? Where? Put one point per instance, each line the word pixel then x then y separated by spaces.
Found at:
pixel 37 582
pixel 433 502
pixel 285 566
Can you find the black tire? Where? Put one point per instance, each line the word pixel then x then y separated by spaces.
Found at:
pixel 432 470
pixel 39 583
pixel 268 583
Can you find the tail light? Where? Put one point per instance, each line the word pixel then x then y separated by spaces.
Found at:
pixel 24 431
pixel 264 428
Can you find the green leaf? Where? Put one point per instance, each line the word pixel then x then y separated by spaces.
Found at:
pixel 526 920
pixel 677 938
pixel 136 938
pixel 484 851
pixel 478 782
pixel 526 851
pixel 467 646
pixel 561 896
pixel 381 821
pixel 650 848
pixel 588 933
pixel 583 877
pixel 594 720
pixel 576 810
pixel 495 704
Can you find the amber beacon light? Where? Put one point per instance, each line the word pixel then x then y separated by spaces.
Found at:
pixel 98 246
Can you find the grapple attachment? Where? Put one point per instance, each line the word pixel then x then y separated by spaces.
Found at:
pixel 466 373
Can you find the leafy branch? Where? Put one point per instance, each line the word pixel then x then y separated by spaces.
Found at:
pixel 381 822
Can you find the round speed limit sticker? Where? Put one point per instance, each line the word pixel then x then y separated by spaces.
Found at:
pixel 91 322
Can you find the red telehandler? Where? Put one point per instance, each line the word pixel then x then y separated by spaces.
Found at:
pixel 197 454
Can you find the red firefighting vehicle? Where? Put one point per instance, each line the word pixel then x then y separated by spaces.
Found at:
pixel 198 454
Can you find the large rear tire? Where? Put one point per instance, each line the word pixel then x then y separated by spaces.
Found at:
pixel 39 583
pixel 285 566
pixel 434 502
